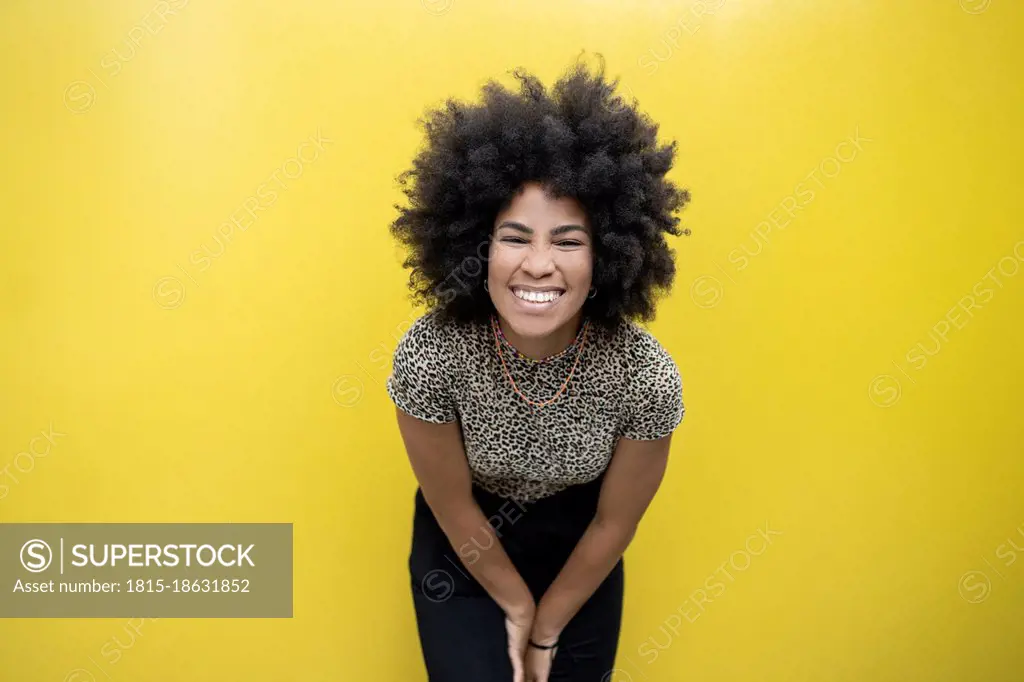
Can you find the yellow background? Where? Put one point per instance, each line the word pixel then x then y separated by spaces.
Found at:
pixel 258 396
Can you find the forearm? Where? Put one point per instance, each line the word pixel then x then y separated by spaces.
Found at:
pixel 438 459
pixel 594 557
pixel 480 551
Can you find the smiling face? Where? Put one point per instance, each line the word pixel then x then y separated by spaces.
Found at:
pixel 540 265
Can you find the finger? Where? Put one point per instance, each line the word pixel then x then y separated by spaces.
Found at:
pixel 518 674
pixel 545 671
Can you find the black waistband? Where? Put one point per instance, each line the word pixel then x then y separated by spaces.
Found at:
pixel 565 513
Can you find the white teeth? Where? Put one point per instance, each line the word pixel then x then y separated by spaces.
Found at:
pixel 537 296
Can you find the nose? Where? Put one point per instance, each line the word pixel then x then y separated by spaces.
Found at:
pixel 538 262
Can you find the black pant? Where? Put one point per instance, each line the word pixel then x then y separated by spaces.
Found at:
pixel 462 630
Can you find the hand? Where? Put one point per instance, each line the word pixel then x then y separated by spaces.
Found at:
pixel 538 661
pixel 518 625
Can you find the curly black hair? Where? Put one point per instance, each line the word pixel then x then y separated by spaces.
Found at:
pixel 581 140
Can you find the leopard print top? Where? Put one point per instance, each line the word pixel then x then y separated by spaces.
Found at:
pixel 625 386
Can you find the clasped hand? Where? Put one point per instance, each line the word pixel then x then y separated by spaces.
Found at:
pixel 529 664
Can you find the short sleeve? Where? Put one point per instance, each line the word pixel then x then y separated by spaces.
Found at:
pixel 420 382
pixel 656 392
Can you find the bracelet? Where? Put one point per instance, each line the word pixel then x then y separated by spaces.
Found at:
pixel 541 646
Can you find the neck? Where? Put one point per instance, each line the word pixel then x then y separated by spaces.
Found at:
pixel 541 348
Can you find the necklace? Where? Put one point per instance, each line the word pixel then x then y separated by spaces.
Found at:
pixel 508 374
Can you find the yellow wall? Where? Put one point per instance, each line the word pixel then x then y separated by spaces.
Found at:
pixel 248 387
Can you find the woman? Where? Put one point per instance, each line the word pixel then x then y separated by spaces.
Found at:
pixel 535 412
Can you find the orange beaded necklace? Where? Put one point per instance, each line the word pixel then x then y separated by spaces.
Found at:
pixel 501 356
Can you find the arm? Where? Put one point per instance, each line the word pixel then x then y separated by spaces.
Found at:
pixel 633 477
pixel 438 460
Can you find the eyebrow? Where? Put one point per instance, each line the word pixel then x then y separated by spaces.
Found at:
pixel 561 229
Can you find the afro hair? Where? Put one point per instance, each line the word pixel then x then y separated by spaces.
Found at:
pixel 580 140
